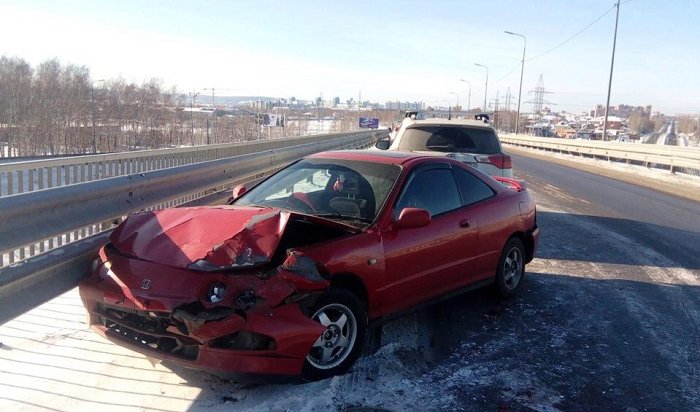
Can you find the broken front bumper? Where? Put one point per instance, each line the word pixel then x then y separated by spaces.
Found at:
pixel 273 341
pixel 268 334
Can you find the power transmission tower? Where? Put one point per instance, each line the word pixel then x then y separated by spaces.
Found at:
pixel 538 101
pixel 508 117
pixel 508 98
pixel 495 101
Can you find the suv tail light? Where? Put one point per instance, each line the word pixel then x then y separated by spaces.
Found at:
pixel 501 161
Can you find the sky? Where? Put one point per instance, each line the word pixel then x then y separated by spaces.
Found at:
pixel 385 50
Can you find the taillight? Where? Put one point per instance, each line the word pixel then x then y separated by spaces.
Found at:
pixel 501 161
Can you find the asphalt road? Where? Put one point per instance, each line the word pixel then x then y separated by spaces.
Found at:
pixel 617 283
pixel 608 319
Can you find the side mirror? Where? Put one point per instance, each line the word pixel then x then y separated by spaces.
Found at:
pixel 412 217
pixel 382 144
pixel 238 191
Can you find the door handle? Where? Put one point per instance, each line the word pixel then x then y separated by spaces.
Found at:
pixel 465 223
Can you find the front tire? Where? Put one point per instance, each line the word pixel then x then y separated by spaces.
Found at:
pixel 340 344
pixel 511 268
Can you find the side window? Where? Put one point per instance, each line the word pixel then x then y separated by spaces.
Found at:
pixel 434 190
pixel 471 187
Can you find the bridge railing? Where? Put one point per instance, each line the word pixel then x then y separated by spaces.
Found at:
pixel 673 158
pixel 28 176
pixel 47 237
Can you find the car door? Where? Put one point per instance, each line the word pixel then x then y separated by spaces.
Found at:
pixel 478 200
pixel 421 263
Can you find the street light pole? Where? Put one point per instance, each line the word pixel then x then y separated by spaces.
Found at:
pixel 612 63
pixel 486 90
pixel 469 98
pixel 522 69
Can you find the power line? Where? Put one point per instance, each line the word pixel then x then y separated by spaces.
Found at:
pixel 572 37
pixel 517 66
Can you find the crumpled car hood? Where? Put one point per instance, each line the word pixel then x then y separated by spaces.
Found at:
pixel 224 237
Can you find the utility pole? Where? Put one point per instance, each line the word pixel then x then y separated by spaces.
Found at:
pixel 612 63
pixel 486 89
pixel 522 69
pixel 319 101
pixel 469 95
pixel 92 103
pixel 193 96
pixel 208 141
pixel 456 105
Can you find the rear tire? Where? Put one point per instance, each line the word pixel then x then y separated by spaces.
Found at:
pixel 511 268
pixel 339 346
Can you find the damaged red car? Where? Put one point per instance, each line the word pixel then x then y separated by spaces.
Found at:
pixel 286 278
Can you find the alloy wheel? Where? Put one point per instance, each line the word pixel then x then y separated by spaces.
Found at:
pixel 336 342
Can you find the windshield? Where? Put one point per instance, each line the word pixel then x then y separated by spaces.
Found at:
pixel 351 191
pixel 449 139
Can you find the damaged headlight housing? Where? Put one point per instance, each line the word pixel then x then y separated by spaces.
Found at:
pixel 301 265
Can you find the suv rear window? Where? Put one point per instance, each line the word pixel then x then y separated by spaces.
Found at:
pixel 450 139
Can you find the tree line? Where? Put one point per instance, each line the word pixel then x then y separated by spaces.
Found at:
pixel 59 109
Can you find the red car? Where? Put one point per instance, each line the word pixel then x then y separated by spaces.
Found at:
pixel 285 279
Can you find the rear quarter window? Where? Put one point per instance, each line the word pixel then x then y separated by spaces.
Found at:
pixel 471 188
pixel 450 139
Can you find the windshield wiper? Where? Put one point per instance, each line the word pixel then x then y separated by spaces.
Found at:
pixel 341 216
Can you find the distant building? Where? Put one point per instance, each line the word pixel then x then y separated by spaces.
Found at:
pixel 621 110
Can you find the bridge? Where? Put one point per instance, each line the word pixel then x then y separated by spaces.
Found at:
pixel 609 318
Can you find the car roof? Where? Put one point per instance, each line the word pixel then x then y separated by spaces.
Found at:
pixel 377 156
pixel 452 122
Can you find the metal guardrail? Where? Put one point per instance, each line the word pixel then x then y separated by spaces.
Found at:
pixel 30 218
pixel 674 158
pixel 28 176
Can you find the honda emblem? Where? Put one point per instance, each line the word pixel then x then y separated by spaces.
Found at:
pixel 145 284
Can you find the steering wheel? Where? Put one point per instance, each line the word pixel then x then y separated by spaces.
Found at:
pixel 302 200
pixel 292 202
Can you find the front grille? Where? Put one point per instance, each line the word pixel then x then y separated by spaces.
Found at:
pixel 146 331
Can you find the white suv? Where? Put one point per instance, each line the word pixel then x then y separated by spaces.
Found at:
pixel 470 141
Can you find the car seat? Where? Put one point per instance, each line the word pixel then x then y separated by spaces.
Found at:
pixel 346 201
